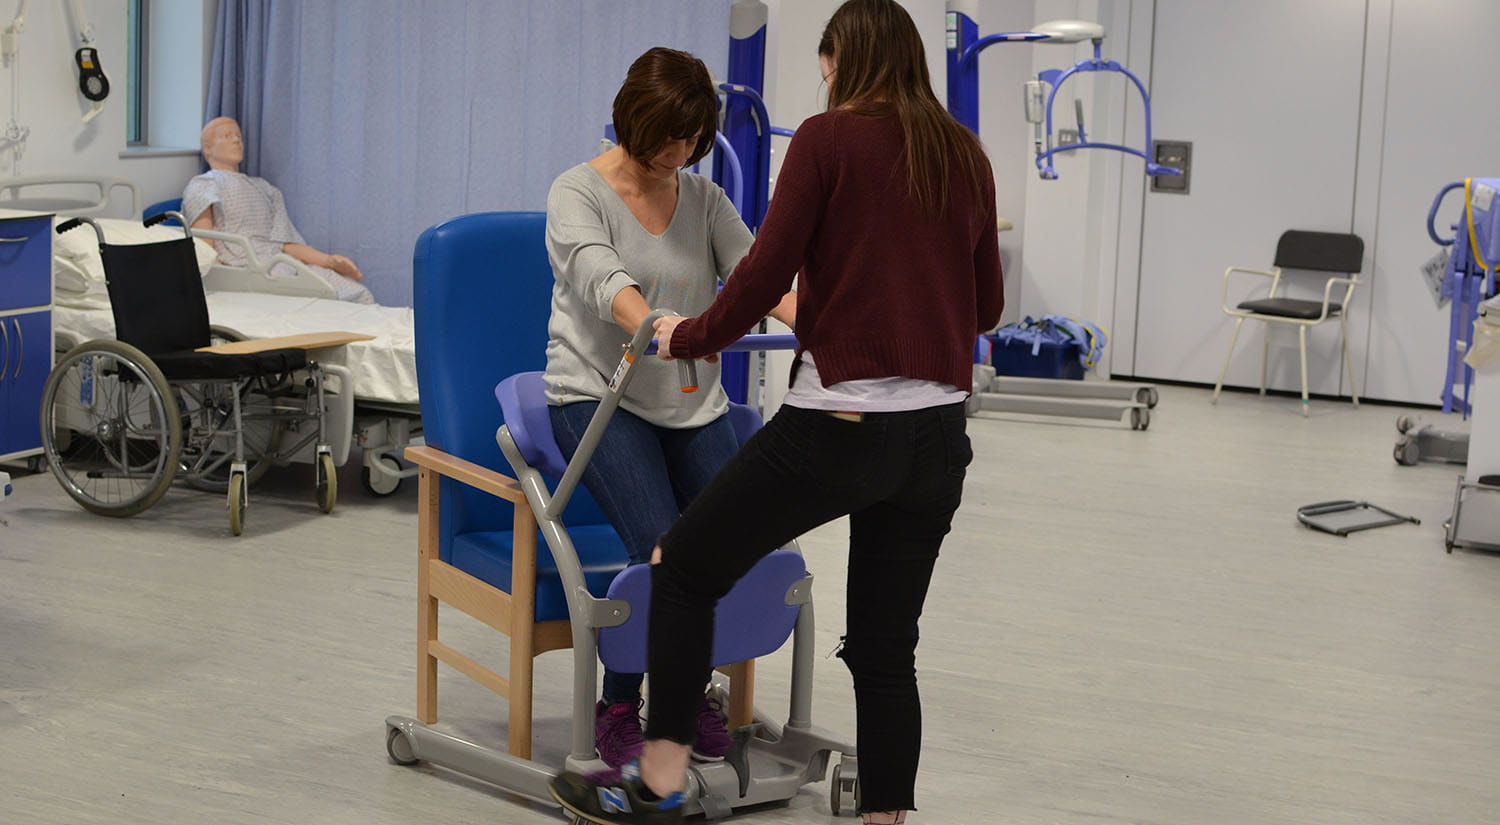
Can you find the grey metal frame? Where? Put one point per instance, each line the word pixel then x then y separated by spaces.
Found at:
pixel 1101 400
pixel 1478 525
pixel 768 761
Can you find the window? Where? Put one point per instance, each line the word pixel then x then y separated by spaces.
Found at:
pixel 135 70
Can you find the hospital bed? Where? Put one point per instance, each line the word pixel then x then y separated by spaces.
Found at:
pixel 244 303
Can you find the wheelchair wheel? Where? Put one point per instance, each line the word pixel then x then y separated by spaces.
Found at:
pixel 208 449
pixel 238 499
pixel 327 483
pixel 111 428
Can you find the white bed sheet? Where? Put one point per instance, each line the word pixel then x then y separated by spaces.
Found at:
pixel 385 369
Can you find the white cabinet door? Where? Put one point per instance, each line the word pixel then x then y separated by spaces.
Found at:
pixel 1269 94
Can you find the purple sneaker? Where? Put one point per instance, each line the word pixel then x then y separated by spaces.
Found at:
pixel 713 735
pixel 617 732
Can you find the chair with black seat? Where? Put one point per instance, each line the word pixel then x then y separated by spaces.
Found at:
pixel 124 417
pixel 1298 249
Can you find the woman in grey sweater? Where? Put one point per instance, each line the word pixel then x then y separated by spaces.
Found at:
pixel 629 232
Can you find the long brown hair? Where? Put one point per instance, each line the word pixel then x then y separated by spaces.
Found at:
pixel 882 68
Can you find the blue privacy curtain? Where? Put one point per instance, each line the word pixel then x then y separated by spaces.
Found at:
pixel 379 118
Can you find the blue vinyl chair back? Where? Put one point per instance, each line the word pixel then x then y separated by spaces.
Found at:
pixel 482 290
pixel 173 205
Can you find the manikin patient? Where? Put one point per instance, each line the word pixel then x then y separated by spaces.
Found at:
pixel 223 199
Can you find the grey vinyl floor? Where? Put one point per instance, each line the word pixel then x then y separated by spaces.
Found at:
pixel 1125 627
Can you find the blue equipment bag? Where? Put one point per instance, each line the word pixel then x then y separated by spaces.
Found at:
pixel 1054 347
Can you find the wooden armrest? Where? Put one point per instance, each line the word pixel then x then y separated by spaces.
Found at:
pixel 480 478
pixel 306 340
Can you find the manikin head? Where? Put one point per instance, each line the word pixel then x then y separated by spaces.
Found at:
pixel 223 145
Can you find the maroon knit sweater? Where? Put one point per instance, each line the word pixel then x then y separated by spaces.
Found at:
pixel 882 289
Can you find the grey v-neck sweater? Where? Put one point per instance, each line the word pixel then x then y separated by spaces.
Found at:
pixel 597 248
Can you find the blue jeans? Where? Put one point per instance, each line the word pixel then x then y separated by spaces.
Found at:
pixel 643 477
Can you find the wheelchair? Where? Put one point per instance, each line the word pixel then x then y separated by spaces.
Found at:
pixel 123 418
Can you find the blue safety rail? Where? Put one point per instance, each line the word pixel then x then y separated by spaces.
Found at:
pixel 1469 279
pixel 745 120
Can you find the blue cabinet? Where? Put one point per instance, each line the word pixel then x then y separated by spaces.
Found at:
pixel 25 330
pixel 25 263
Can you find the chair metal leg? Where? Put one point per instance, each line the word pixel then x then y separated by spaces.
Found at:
pixel 1349 361
pixel 1302 346
pixel 1265 356
pixel 1233 339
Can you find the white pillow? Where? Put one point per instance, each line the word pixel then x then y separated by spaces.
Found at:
pixel 80 246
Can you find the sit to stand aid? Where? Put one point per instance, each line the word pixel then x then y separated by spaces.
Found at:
pixel 768 761
pixel 1470 277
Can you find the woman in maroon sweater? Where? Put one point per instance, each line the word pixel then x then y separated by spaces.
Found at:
pixel 884 214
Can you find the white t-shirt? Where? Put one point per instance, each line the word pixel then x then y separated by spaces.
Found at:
pixel 896 394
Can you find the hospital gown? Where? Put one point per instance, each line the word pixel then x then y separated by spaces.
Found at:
pixel 254 208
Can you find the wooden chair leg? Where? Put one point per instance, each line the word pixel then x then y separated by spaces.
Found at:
pixel 741 694
pixel 427 606
pixel 522 632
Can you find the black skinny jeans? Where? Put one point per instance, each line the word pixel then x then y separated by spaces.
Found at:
pixel 899 476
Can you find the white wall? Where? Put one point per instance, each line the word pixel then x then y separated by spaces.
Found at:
pixel 1345 115
pixel 52 108
pixel 1438 124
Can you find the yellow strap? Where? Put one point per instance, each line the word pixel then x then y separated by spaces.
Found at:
pixel 1473 236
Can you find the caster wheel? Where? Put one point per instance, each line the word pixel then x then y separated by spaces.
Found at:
pixel 1140 418
pixel 327 483
pixel 1404 424
pixel 835 789
pixel 238 501
pixel 381 484
pixel 1152 397
pixel 398 748
pixel 1406 453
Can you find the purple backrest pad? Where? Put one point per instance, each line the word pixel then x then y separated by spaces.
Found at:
pixel 752 620
pixel 523 403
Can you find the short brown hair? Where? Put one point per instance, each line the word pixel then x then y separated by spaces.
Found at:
pixel 667 95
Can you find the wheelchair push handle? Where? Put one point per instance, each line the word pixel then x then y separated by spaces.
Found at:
pixel 73 223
